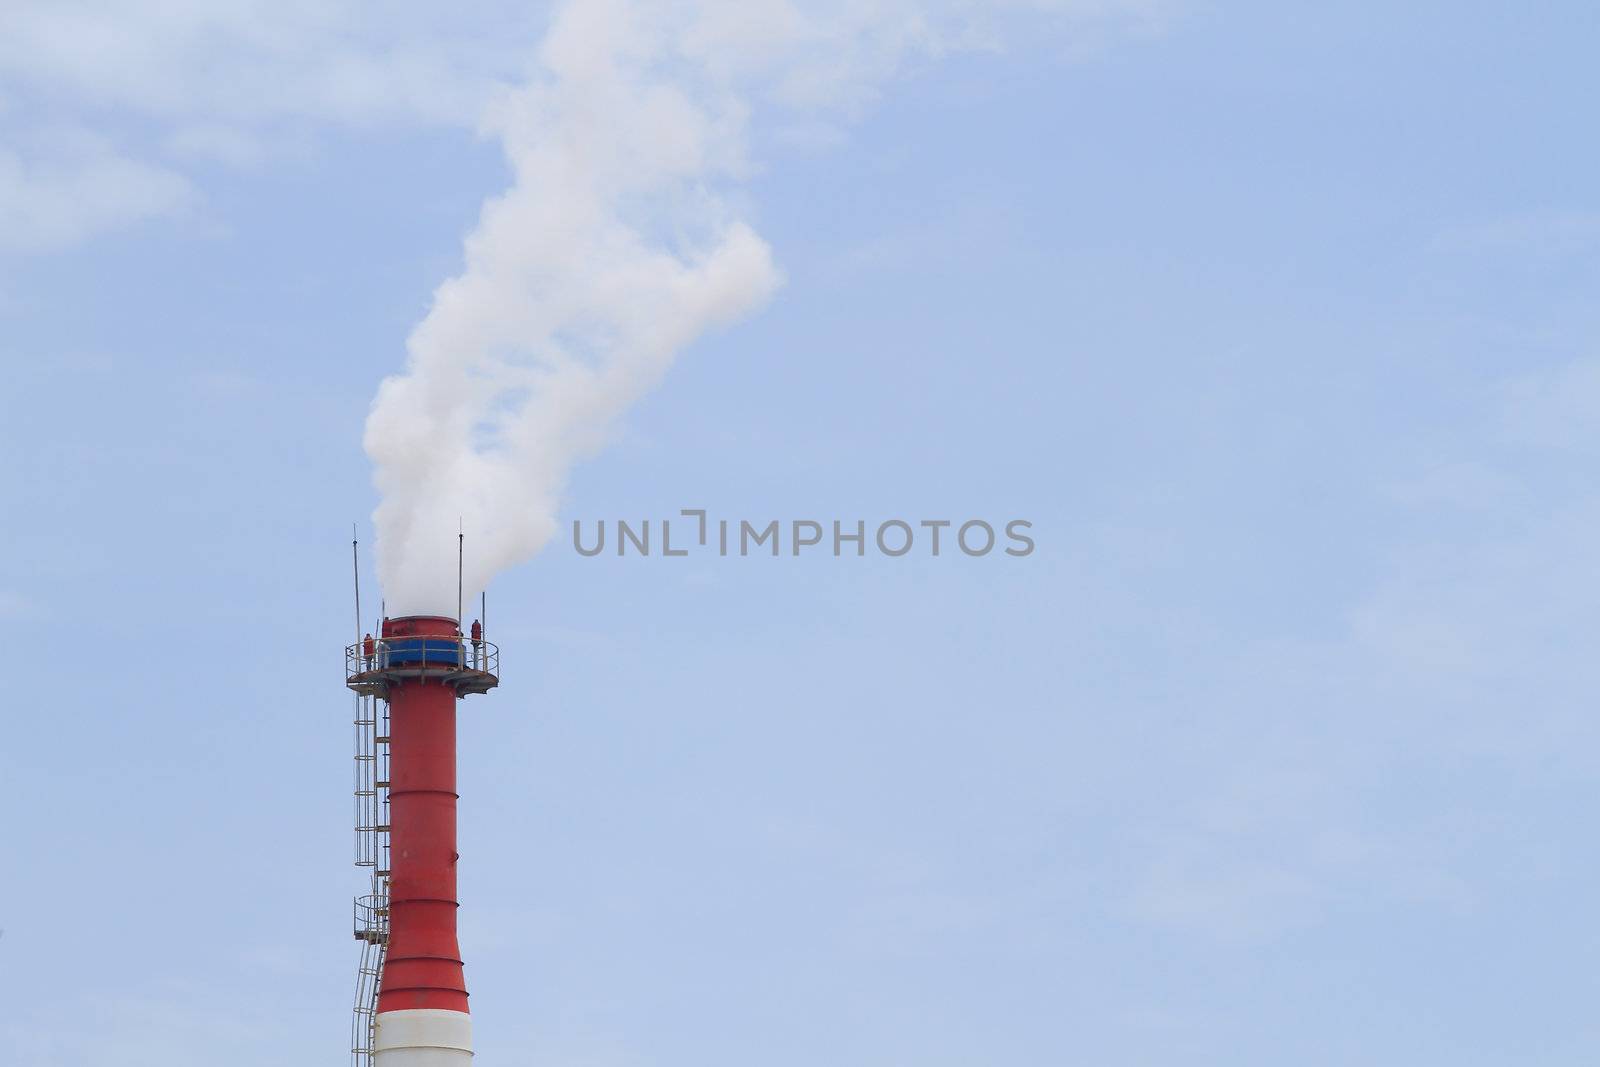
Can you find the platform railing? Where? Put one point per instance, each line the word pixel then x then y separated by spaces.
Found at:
pixel 420 652
pixel 371 919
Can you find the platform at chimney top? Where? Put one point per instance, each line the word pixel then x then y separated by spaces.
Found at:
pixel 465 665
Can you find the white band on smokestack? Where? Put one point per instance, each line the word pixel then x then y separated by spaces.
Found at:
pixel 423 1037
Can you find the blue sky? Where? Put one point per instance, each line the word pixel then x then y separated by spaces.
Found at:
pixel 1277 321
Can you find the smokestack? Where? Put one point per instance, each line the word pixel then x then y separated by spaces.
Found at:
pixel 411 1006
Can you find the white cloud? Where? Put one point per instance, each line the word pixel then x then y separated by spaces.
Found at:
pixel 58 198
pixel 162 85
pixel 251 60
pixel 224 80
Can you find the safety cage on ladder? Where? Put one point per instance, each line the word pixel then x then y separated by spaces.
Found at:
pixel 371 921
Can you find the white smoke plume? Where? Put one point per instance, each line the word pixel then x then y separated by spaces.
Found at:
pixel 619 242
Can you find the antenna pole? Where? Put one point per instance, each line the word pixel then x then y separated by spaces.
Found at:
pixel 461 548
pixel 355 567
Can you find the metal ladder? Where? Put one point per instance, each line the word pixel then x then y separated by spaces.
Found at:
pixel 371 920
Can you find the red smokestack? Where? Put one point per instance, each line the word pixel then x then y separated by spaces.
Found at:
pixel 422 968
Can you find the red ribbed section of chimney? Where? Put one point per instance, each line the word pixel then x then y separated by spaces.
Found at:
pixel 422 967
